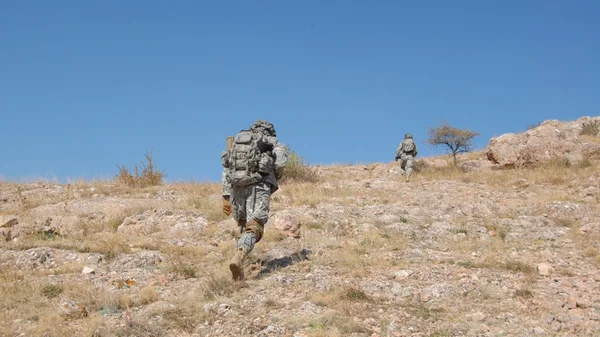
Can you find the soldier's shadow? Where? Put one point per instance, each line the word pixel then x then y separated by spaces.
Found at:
pixel 266 267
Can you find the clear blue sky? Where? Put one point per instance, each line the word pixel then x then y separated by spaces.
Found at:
pixel 86 86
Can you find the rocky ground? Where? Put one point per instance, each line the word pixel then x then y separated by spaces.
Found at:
pixel 360 252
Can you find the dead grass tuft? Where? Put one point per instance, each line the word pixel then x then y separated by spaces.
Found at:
pixel 591 128
pixel 149 176
pixel 110 245
pixel 591 252
pixel 218 284
pixel 95 298
pixel 52 290
pixel 524 293
pixel 204 197
pixel 148 295
pixel 334 325
pixel 181 268
pixel 297 170
pixel 423 311
pixel 188 312
pixel 354 295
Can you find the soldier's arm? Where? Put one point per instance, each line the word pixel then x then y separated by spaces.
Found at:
pixel 398 151
pixel 282 156
pixel 225 185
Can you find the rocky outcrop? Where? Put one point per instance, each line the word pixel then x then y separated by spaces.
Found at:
pixel 551 140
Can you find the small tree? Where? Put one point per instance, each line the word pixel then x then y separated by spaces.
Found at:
pixel 457 140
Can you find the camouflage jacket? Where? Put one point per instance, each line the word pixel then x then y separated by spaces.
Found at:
pixel 402 148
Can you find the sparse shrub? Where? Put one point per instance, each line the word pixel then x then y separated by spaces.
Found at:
pixel 297 169
pixel 523 293
pixel 148 295
pixel 314 225
pixel 419 165
pixel 423 311
pixel 132 328
pixel 565 271
pixel 110 245
pixel 518 266
pixel 185 318
pixel 584 163
pixel 183 269
pixel 114 223
pixel 47 234
pixel 52 291
pixel 150 175
pixel 217 285
pixel 591 252
pixel 565 222
pixel 460 231
pixel 591 128
pixel 502 233
pixel 354 295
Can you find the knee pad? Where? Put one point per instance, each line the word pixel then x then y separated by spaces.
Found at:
pixel 255 227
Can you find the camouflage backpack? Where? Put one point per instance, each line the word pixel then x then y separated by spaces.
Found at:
pixel 250 155
pixel 408 145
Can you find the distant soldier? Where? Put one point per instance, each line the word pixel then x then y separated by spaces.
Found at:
pixel 252 166
pixel 406 153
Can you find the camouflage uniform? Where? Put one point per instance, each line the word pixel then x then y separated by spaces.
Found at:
pixel 406 153
pixel 250 204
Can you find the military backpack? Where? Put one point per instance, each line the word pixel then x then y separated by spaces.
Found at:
pixel 250 158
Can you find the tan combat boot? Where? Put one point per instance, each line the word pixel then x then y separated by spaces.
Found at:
pixel 236 265
pixel 407 176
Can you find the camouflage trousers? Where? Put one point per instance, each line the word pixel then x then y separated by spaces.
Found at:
pixel 251 203
pixel 406 163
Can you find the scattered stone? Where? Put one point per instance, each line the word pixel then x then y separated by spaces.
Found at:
pixel 402 274
pixel 539 331
pixel 477 316
pixel 544 269
pixel 70 309
pixel 286 222
pixel 570 303
pixel 223 308
pixel 87 270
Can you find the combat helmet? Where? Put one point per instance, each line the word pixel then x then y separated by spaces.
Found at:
pixel 263 125
pixel 408 136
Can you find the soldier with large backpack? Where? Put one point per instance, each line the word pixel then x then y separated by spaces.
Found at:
pixel 251 168
pixel 406 153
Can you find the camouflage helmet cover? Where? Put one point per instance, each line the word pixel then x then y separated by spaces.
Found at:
pixel 262 125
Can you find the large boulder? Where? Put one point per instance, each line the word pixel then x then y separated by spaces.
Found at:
pixel 551 140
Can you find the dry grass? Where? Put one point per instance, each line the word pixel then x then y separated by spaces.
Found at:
pixel 183 261
pixel 335 325
pixel 297 170
pixel 147 295
pixel 346 256
pixel 204 197
pixel 556 173
pixel 149 175
pixel 218 284
pixel 591 128
pixel 311 194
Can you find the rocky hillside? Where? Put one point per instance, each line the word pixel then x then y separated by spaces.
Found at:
pixel 471 251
